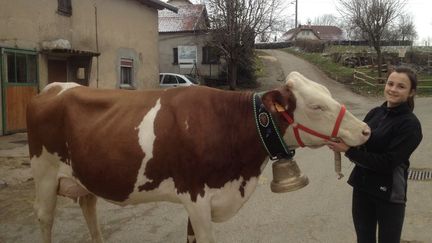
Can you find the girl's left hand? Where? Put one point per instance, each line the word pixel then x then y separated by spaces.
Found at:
pixel 340 146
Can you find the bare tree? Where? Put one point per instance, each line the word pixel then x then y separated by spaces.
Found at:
pixel 401 30
pixel 353 32
pixel 235 25
pixel 326 19
pixel 407 27
pixel 276 30
pixel 372 17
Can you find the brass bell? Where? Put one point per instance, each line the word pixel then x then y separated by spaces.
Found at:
pixel 287 176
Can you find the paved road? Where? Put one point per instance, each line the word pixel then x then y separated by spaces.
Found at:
pixel 319 212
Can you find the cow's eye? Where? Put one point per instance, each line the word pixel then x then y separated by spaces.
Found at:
pixel 317 107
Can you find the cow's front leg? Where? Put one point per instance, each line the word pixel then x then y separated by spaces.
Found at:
pixel 190 233
pixel 88 207
pixel 200 218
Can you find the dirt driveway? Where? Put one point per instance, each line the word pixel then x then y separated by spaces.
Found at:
pixel 319 212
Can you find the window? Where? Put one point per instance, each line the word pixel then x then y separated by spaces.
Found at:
pixel 126 68
pixel 210 55
pixel 64 7
pixel 20 67
pixel 181 80
pixel 170 79
pixel 175 55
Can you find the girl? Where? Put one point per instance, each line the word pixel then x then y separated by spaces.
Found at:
pixel 379 178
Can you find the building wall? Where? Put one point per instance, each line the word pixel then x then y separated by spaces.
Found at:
pixel 306 35
pixel 168 41
pixel 114 28
pixel 125 29
pixel 128 29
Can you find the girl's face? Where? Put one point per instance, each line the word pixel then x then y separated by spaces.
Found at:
pixel 397 89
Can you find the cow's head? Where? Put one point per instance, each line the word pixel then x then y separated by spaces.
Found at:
pixel 311 105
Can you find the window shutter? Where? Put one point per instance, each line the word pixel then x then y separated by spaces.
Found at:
pixel 175 55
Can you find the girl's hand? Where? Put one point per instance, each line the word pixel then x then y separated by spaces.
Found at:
pixel 340 146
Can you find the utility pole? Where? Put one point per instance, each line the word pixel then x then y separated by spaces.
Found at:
pixel 295 15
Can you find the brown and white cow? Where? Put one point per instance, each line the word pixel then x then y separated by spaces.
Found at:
pixel 197 146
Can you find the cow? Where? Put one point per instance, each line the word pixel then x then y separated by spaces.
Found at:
pixel 202 147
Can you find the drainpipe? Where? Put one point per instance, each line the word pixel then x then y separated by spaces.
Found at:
pixel 97 47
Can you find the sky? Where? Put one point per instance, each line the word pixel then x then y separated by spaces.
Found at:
pixel 311 9
pixel 419 9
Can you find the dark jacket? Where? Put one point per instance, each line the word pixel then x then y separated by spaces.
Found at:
pixel 381 164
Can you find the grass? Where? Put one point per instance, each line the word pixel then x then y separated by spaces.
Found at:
pixel 359 49
pixel 259 65
pixel 344 74
pixel 333 70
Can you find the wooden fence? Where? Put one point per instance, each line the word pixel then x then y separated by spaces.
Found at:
pixel 379 82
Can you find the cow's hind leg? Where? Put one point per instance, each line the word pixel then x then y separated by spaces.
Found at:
pixel 88 207
pixel 46 184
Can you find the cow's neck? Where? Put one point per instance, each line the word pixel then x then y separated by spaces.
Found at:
pixel 244 146
pixel 244 141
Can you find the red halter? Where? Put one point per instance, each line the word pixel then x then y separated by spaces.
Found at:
pixel 297 126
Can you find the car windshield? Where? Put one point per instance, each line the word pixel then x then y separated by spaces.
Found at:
pixel 192 79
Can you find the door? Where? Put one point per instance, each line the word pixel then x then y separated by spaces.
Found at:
pixel 57 71
pixel 19 85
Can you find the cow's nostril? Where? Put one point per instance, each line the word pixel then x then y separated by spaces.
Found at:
pixel 366 132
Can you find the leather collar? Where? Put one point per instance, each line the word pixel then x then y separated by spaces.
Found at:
pixel 269 131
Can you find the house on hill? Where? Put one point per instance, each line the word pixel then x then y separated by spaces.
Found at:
pixel 183 41
pixel 314 32
pixel 104 44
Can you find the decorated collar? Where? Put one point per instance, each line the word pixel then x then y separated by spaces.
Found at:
pixel 269 132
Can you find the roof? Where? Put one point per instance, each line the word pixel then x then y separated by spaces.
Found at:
pixel 62 47
pixel 323 32
pixel 158 5
pixel 70 52
pixel 190 17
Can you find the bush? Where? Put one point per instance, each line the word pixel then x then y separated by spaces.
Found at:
pixel 417 57
pixel 310 45
pixel 247 71
pixel 273 45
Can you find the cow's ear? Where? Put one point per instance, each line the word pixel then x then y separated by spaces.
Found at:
pixel 282 96
pixel 270 98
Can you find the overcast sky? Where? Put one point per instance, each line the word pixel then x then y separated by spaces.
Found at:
pixel 421 10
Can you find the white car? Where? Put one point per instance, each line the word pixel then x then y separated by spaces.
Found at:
pixel 167 80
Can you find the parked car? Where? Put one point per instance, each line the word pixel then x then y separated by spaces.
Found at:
pixel 175 80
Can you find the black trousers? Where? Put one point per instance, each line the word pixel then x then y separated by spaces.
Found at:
pixel 369 211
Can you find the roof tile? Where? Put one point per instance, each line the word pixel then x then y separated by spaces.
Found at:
pixel 188 18
pixel 325 32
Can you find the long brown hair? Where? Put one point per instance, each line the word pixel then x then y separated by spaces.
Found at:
pixel 413 79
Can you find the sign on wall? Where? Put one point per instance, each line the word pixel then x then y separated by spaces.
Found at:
pixel 187 56
pixel 402 52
